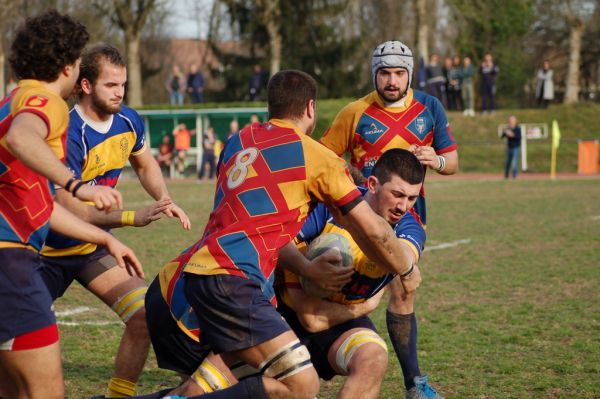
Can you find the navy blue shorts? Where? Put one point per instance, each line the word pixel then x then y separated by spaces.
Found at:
pixel 318 344
pixel 232 312
pixel 173 348
pixel 59 271
pixel 24 298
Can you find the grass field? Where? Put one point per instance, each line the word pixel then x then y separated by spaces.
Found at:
pixel 511 311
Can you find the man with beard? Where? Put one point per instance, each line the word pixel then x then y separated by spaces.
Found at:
pixel 396 116
pixel 102 136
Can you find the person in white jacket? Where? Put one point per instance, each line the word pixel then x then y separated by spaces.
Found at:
pixel 544 91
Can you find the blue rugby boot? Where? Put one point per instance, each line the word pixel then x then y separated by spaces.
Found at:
pixel 422 390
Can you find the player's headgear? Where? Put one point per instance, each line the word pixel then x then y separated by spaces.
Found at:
pixel 392 54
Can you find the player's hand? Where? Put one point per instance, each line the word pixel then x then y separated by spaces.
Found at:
pixel 125 257
pixel 368 306
pixel 151 213
pixel 103 197
pixel 325 271
pixel 426 155
pixel 411 282
pixel 173 211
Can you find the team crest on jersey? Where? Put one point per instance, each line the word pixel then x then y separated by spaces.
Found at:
pixel 420 124
pixel 370 129
pixel 36 101
pixel 420 127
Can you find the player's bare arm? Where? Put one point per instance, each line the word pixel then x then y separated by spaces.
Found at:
pixel 117 218
pixel 150 176
pixel 318 315
pixel 377 240
pixel 324 270
pixel 64 222
pixel 427 156
pixel 26 139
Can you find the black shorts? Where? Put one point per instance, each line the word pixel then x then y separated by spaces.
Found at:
pixel 173 348
pixel 59 272
pixel 232 312
pixel 24 298
pixel 318 344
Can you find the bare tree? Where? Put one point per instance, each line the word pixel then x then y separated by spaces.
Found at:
pixel 575 20
pixel 130 17
pixel 422 29
pixel 270 16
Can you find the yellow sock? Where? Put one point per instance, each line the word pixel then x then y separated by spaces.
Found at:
pixel 119 388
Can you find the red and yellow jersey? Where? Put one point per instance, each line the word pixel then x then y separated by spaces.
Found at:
pixel 27 197
pixel 368 278
pixel 268 176
pixel 366 128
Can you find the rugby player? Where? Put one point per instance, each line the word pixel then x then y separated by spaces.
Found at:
pixel 342 340
pixel 396 116
pixel 45 57
pixel 103 135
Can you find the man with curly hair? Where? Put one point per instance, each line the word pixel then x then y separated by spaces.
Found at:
pixel 45 57
pixel 103 136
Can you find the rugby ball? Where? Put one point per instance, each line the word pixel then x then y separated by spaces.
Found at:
pixel 317 247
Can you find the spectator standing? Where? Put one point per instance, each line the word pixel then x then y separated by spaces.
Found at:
pixel 452 70
pixel 489 70
pixel 208 154
pixel 165 155
pixel 195 84
pixel 234 127
pixel 256 83
pixel 513 146
pixel 435 78
pixel 176 86
pixel 544 91
pixel 467 86
pixel 183 140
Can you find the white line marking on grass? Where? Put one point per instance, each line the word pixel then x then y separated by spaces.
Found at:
pixel 71 312
pixel 86 323
pixel 597 217
pixel 447 245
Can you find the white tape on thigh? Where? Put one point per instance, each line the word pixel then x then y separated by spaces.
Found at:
pixel 289 360
pixel 128 304
pixel 352 343
pixel 210 378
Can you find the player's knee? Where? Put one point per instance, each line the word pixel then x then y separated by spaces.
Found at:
pixel 356 348
pixel 304 385
pixel 131 305
pixel 371 359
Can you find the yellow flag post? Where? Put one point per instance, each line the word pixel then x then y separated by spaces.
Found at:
pixel 555 144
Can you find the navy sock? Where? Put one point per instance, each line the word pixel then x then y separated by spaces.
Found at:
pixel 403 334
pixel 251 388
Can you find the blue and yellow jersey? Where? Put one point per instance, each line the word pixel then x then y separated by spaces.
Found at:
pixel 97 153
pixel 269 175
pixel 27 197
pixel 368 278
pixel 366 128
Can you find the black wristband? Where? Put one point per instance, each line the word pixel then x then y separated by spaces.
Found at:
pixel 69 183
pixel 77 187
pixel 408 273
